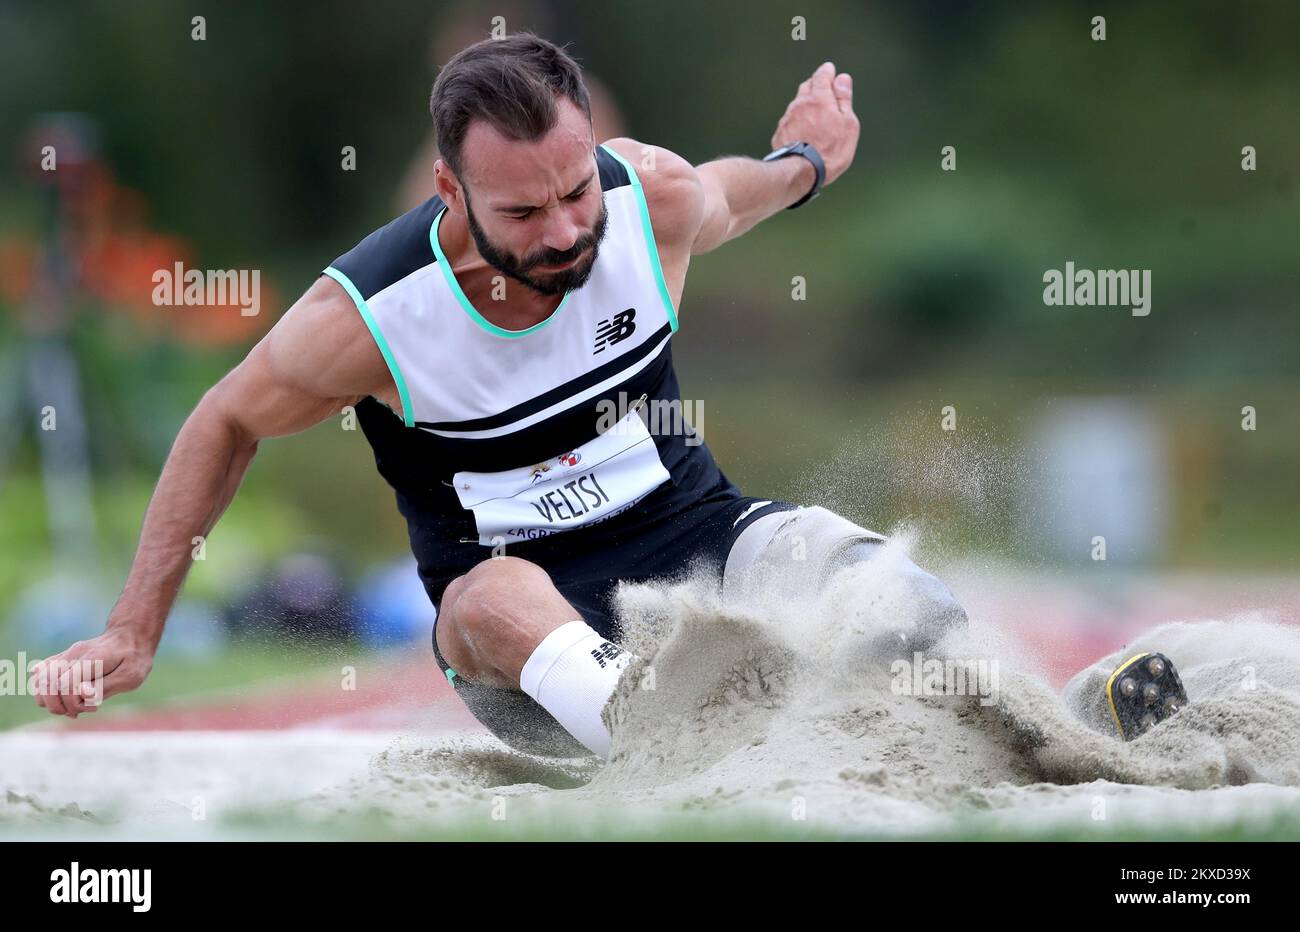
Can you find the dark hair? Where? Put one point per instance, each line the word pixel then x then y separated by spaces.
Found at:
pixel 512 83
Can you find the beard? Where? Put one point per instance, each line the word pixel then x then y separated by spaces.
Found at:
pixel 525 270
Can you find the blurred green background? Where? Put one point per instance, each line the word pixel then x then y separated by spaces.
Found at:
pixel 924 287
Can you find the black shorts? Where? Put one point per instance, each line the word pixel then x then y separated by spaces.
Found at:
pixel 586 569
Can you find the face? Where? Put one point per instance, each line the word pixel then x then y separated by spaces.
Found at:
pixel 535 209
pixel 547 271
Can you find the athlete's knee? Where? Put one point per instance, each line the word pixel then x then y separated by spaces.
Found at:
pixel 924 587
pixel 491 593
pixel 486 608
pixel 937 608
pixel 924 607
pixel 489 580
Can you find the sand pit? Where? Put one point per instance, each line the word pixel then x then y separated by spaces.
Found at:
pixel 783 718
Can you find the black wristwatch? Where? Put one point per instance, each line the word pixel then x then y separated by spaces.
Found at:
pixel 811 154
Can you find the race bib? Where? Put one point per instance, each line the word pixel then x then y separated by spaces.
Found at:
pixel 598 480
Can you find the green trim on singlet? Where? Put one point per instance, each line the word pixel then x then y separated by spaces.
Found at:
pixel 451 675
pixel 464 301
pixel 651 247
pixel 408 416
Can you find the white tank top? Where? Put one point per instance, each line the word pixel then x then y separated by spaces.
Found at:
pixel 511 436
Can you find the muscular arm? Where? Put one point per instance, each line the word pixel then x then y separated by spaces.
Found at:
pixel 315 360
pixel 740 192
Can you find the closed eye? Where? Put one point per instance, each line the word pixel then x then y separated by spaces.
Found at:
pixel 522 213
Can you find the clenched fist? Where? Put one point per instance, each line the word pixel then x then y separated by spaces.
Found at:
pixel 88 672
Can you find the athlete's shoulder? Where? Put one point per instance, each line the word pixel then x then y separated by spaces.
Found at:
pixel 390 253
pixel 663 174
pixel 612 169
pixel 671 185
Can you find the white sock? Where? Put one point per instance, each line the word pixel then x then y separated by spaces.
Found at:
pixel 572 674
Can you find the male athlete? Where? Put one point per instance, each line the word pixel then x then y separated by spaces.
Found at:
pixel 501 344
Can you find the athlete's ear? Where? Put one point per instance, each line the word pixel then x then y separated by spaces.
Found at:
pixel 448 187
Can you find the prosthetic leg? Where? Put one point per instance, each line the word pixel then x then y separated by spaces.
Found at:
pixel 793 554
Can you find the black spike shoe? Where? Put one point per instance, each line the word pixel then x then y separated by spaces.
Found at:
pixel 1142 692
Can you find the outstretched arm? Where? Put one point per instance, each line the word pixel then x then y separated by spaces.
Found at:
pixel 315 360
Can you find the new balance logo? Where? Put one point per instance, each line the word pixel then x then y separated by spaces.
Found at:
pixel 619 327
pixel 606 651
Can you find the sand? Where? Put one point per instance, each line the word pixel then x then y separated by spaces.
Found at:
pixel 771 714
pixel 784 714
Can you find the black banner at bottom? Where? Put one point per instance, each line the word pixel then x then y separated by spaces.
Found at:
pixel 213 881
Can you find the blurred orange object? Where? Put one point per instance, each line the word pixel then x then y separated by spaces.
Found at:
pixel 116 255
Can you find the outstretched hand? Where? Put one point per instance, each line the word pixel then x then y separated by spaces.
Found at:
pixel 821 114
